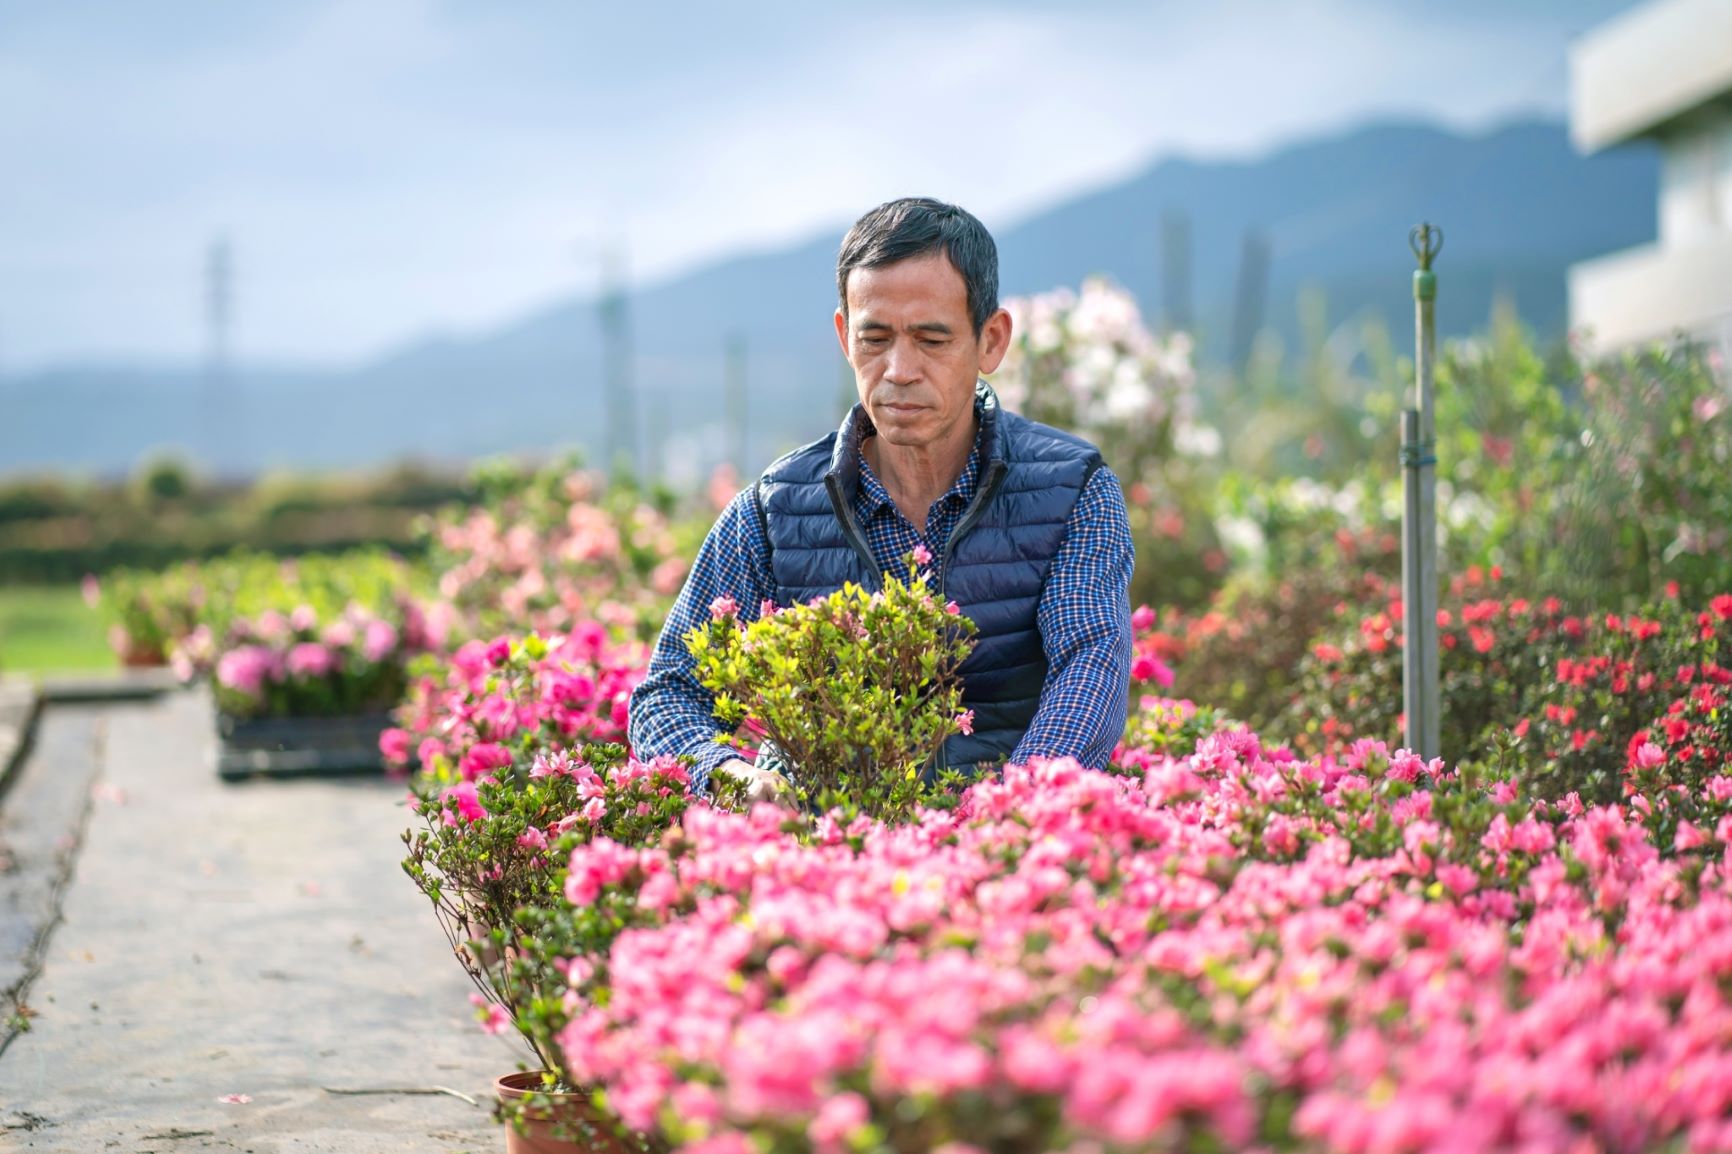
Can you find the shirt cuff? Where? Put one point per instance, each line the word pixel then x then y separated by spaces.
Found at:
pixel 704 762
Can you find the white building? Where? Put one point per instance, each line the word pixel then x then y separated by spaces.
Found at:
pixel 1663 72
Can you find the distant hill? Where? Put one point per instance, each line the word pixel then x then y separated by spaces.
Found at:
pixel 1518 206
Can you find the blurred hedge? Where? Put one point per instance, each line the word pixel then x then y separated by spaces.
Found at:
pixel 56 530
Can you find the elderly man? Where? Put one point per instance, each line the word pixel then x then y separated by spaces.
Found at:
pixel 1026 527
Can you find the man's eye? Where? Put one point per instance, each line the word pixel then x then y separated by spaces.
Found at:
pixel 875 341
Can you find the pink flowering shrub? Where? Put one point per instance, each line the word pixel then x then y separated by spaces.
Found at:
pixel 302 667
pixel 549 550
pixel 1243 651
pixel 856 690
pixel 309 636
pixel 1159 726
pixel 148 612
pixel 499 703
pixel 315 636
pixel 490 856
pixel 1569 690
pixel 1239 949
pixel 1084 360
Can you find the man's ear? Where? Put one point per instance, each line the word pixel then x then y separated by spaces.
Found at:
pixel 994 341
pixel 842 334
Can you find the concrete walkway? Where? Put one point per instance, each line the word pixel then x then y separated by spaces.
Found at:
pixel 256 939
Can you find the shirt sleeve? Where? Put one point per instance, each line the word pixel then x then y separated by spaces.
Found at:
pixel 671 713
pixel 1085 628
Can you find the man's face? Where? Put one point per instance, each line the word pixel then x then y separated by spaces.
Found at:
pixel 915 356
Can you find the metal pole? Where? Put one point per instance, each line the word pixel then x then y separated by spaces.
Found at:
pixel 621 454
pixel 736 403
pixel 1421 696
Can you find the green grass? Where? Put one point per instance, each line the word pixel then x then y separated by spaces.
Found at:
pixel 49 629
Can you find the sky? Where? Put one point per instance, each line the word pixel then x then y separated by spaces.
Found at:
pixel 388 170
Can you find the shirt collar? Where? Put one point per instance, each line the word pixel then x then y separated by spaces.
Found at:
pixel 873 496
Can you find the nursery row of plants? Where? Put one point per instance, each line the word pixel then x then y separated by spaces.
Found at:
pixel 1262 926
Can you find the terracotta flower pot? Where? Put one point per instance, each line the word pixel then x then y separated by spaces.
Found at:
pixel 568 1125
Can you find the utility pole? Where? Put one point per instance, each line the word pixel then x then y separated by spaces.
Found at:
pixel 621 451
pixel 219 314
pixel 1176 310
pixel 1421 694
pixel 735 388
pixel 1253 289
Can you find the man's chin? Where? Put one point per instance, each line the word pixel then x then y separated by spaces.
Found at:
pixel 902 436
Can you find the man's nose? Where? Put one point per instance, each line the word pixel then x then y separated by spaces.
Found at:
pixel 902 366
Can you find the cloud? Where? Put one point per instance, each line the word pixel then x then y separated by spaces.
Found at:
pixel 389 167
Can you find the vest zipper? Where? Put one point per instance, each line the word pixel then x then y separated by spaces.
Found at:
pixel 988 486
pixel 851 530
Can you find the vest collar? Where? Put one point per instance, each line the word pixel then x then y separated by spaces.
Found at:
pixel 857 426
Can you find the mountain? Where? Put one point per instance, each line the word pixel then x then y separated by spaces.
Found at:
pixel 1517 204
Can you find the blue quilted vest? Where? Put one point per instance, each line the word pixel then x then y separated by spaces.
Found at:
pixel 994 566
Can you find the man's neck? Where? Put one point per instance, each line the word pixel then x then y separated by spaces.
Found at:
pixel 916 476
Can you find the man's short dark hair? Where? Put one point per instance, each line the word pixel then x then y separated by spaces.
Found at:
pixel 914 226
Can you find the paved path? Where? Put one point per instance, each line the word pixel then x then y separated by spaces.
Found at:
pixel 255 939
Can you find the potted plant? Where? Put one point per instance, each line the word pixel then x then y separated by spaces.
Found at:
pixel 491 854
pixel 855 692
pixel 304 657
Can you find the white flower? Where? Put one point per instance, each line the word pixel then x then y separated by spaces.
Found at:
pixel 1195 439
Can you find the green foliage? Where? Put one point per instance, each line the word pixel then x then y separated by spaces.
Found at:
pixel 1163 726
pixel 1245 652
pixel 1085 362
pixel 490 856
pixel 1563 695
pixel 857 690
pixel 163 479
pixel 156 610
pixel 1650 501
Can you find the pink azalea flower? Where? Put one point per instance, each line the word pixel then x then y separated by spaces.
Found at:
pixel 394 745
pixel 1147 667
pixel 247 668
pixel 469 806
pixel 494 1018
pixel 339 634
pixel 965 721
pixel 378 640
pixel 922 555
pixel 311 660
pixel 723 607
pixel 838 1118
pixel 1650 756
pixel 1689 837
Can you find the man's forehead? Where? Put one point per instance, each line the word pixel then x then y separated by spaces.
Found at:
pixel 928 284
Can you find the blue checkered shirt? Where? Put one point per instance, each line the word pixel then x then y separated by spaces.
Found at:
pixel 1084 619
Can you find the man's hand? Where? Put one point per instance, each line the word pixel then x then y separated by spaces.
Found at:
pixel 761 784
